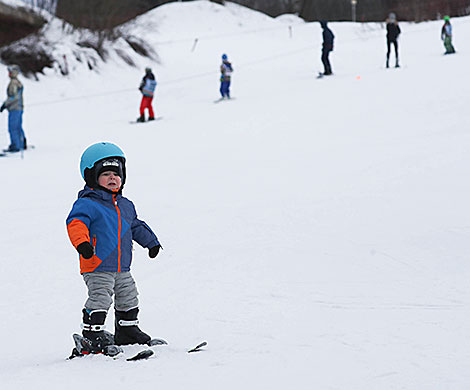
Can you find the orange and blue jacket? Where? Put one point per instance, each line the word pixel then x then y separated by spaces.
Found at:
pixel 109 222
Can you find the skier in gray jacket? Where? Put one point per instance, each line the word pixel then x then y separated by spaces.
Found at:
pixel 14 105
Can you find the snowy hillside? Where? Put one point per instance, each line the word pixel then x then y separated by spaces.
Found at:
pixel 58 48
pixel 315 232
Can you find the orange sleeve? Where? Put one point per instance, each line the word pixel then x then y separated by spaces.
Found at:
pixel 78 232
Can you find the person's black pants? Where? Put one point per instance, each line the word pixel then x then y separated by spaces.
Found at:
pixel 326 61
pixel 389 44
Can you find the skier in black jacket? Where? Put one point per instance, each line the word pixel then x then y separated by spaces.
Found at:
pixel 328 38
pixel 393 31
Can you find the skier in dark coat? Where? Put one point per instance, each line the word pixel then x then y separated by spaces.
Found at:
pixel 328 38
pixel 393 31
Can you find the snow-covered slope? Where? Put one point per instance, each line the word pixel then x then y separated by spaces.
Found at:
pixel 315 231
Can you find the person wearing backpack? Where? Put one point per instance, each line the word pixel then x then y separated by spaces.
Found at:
pixel 147 88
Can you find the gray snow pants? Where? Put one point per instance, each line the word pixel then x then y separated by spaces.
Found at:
pixel 102 286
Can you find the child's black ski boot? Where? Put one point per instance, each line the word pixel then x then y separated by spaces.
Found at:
pixel 95 339
pixel 126 329
pixel 93 330
pixel 141 118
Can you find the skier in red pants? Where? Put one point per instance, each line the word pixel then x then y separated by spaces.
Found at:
pixel 147 87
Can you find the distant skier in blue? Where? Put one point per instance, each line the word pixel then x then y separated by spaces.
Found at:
pixel 14 105
pixel 328 38
pixel 226 70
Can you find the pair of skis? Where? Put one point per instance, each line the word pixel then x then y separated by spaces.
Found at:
pixel 6 152
pixel 224 99
pixel 84 347
pixel 320 75
pixel 158 118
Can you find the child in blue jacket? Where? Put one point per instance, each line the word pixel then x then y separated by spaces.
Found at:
pixel 101 226
pixel 226 71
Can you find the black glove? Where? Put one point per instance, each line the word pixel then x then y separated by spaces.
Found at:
pixel 153 252
pixel 86 250
pixel 2 107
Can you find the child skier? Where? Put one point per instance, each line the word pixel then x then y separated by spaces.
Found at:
pixel 147 88
pixel 446 36
pixel 14 105
pixel 226 70
pixel 101 226
pixel 393 31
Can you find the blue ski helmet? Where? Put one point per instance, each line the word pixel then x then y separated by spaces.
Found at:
pixel 94 154
pixel 224 57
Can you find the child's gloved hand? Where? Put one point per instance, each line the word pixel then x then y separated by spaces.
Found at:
pixel 2 107
pixel 86 250
pixel 153 252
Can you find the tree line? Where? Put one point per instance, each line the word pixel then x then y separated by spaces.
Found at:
pixel 106 14
pixel 366 10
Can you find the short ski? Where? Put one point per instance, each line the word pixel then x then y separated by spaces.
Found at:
pixel 224 99
pixel 320 75
pixel 147 121
pixel 146 353
pixel 6 152
pixel 85 347
pixel 29 147
pixel 142 355
pixel 10 154
pixel 198 347
pixel 154 342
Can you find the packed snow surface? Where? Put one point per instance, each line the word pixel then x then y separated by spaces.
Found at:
pixel 315 232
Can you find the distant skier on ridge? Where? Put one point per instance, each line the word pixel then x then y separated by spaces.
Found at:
pixel 446 36
pixel 393 31
pixel 327 47
pixel 226 70
pixel 147 88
